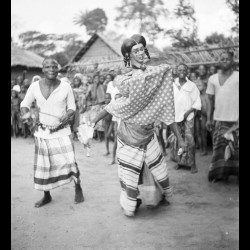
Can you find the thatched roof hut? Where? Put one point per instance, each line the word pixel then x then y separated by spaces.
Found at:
pixel 23 60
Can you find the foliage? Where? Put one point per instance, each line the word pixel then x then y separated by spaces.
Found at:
pixel 187 36
pixel 94 20
pixel 234 6
pixel 61 47
pixel 143 13
pixel 219 39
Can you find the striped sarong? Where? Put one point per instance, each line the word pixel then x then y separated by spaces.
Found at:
pixel 131 160
pixel 54 163
pixel 219 167
pixel 187 159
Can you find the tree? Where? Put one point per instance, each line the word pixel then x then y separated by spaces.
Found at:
pixel 218 39
pixel 143 13
pixel 61 47
pixel 94 20
pixel 187 36
pixel 234 6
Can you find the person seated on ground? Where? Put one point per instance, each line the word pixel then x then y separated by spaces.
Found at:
pixel 187 101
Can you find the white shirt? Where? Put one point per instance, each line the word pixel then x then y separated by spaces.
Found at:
pixel 51 109
pixel 226 97
pixel 186 97
pixel 16 88
pixel 112 91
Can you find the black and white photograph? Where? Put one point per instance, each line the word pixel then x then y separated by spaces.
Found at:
pixel 124 124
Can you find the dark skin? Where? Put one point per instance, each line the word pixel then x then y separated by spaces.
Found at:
pixel 182 73
pixel 226 70
pixel 47 85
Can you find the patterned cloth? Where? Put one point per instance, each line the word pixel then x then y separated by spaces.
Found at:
pixel 187 159
pixel 131 160
pixel 219 167
pixel 146 97
pixel 55 163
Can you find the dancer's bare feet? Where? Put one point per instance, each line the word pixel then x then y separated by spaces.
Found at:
pixel 45 200
pixel 194 170
pixel 78 194
pixel 107 154
pixel 112 163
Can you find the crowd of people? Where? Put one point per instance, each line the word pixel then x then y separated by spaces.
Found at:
pixel 154 107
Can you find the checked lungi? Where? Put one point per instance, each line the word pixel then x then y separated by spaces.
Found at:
pixel 131 159
pixel 54 163
pixel 219 167
pixel 187 159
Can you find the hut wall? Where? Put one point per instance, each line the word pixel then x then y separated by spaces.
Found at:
pixel 99 52
pixel 18 70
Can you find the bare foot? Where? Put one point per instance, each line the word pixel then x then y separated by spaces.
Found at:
pixel 106 154
pixel 112 163
pixel 177 167
pixel 194 170
pixel 78 194
pixel 45 200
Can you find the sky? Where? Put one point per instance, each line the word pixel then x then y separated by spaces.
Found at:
pixel 56 16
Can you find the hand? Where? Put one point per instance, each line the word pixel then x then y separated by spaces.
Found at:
pixel 182 145
pixel 92 123
pixel 65 119
pixel 209 125
pixel 186 115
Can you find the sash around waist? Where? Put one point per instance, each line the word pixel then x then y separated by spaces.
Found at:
pixel 134 134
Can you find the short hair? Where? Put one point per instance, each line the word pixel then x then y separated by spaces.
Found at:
pixel 50 58
pixel 112 77
pixel 182 64
pixel 228 52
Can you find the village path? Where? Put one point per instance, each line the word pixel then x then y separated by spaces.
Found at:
pixel 202 215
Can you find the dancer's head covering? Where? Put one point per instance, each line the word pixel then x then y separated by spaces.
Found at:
pixel 129 43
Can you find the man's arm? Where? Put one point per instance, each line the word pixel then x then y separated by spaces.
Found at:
pixel 210 111
pixel 173 126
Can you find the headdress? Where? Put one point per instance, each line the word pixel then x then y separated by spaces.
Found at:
pixel 128 44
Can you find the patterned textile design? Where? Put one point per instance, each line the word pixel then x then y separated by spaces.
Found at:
pixel 187 159
pixel 131 160
pixel 147 96
pixel 219 167
pixel 54 163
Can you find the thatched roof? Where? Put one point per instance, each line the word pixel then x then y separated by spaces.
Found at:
pixel 200 55
pixel 115 47
pixel 21 57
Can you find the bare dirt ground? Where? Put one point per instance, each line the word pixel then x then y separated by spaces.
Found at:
pixel 202 215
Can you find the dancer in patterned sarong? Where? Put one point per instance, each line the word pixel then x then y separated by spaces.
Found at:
pixel 223 108
pixel 147 97
pixel 55 163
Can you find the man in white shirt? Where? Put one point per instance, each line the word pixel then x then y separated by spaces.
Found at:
pixel 55 163
pixel 187 101
pixel 223 109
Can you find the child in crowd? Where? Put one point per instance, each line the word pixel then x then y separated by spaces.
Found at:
pixel 106 123
pixel 201 122
pixel 113 128
pixel 193 76
pixel 15 113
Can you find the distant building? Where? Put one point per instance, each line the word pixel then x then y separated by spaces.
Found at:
pixel 23 60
